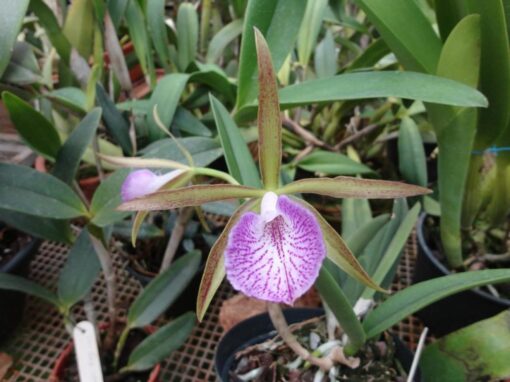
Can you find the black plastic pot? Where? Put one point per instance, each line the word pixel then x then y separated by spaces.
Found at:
pixel 457 311
pixel 259 328
pixel 12 303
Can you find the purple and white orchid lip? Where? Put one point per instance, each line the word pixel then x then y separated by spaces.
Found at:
pixel 275 256
pixel 143 182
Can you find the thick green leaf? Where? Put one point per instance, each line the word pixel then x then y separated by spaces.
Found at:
pixel 338 252
pixel 187 35
pixel 138 33
pixel 117 8
pixel 26 190
pixel 310 28
pixel 355 214
pixel 494 71
pixel 52 28
pixel 103 207
pixel 392 253
pixel 46 229
pixel 11 19
pixel 412 159
pixel 366 85
pixel 474 353
pixel 32 126
pixel 166 97
pixel 162 291
pixel 114 121
pixel 215 78
pixel 160 344
pixel 418 296
pixel 358 240
pixel 214 271
pixel 329 163
pixel 237 155
pixel 79 273
pixel 186 122
pixel 79 26
pixel 70 97
pixel 203 150
pixel 374 248
pixel 325 57
pixel 370 56
pixel 23 68
pixel 348 187
pixel 449 13
pixel 221 40
pixel 455 130
pixel 336 300
pixel 190 196
pixel 155 10
pixel 19 284
pixel 406 85
pixel 268 119
pixel 407 32
pixel 70 154
pixel 279 21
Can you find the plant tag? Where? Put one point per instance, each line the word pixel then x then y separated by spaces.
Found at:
pixel 87 355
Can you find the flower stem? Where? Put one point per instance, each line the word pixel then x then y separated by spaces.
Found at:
pixel 215 174
pixel 120 345
pixel 184 216
pixel 281 326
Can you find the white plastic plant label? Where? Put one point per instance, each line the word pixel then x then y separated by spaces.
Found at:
pixel 87 355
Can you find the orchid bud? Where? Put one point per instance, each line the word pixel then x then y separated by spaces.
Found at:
pixel 275 256
pixel 142 182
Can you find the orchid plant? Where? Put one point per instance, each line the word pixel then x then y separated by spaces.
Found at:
pixel 274 244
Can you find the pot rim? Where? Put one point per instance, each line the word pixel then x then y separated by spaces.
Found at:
pixel 422 242
pixel 26 251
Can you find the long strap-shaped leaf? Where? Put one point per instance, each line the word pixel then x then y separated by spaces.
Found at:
pixel 135 162
pixel 348 187
pixel 338 252
pixel 190 196
pixel 331 292
pixel 215 266
pixel 19 284
pixel 414 298
pixel 269 123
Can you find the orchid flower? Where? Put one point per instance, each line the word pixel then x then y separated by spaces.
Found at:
pixel 273 246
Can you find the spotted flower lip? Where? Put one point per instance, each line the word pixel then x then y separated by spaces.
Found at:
pixel 275 255
pixel 142 182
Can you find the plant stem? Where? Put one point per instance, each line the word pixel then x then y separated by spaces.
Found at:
pixel 111 288
pixel 281 326
pixel 120 345
pixel 215 174
pixel 184 216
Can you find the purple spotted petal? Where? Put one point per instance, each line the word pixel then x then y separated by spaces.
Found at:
pixel 142 182
pixel 275 260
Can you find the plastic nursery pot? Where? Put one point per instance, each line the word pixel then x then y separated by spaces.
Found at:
pixel 457 311
pixel 259 328
pixel 12 303
pixel 67 356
